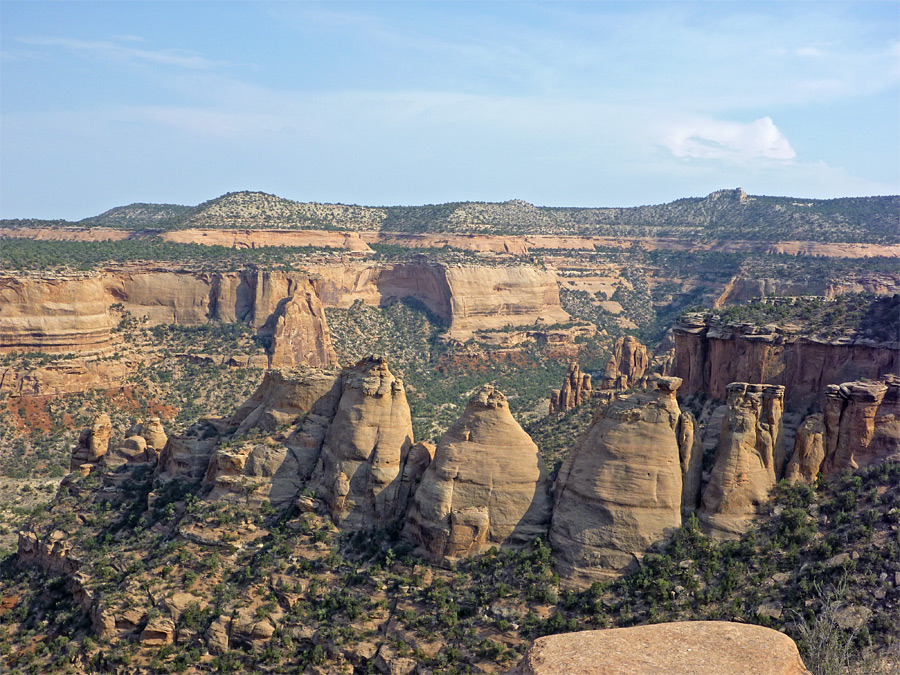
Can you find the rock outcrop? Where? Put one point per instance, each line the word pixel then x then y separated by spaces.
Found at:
pixel 360 468
pixel 627 366
pixel 93 442
pixel 862 424
pixel 485 487
pixel 301 403
pixel 708 356
pixel 679 648
pixel 297 333
pixel 467 298
pixel 749 459
pixel 809 451
pixel 620 489
pixel 576 389
pixel 690 452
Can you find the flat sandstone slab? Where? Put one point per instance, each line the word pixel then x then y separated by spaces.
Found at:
pixel 681 648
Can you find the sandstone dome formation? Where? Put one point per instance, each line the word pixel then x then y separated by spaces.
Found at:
pixel 485 487
pixel 360 468
pixel 749 459
pixel 620 489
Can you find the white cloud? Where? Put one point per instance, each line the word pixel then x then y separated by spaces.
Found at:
pixel 736 141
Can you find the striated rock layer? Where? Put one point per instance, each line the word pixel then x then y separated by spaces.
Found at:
pixel 620 489
pixel 679 648
pixel 485 487
pixel 749 459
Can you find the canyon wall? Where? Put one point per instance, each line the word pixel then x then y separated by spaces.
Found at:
pixel 54 314
pixel 708 357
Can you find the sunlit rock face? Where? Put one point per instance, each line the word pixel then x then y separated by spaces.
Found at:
pixel 749 459
pixel 359 472
pixel 485 487
pixel 620 489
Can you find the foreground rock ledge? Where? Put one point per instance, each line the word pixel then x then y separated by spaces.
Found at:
pixel 681 648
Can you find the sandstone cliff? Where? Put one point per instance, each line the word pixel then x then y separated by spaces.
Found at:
pixel 628 364
pixel 485 487
pixel 576 389
pixel 749 459
pixel 54 314
pixel 862 424
pixel 709 356
pixel 359 471
pixel 468 298
pixel 620 489
pixel 297 333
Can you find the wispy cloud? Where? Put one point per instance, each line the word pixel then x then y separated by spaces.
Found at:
pixel 110 50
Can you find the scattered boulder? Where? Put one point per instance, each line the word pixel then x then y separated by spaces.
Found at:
pixel 620 489
pixel 679 648
pixel 159 631
pixel 485 487
pixel 748 459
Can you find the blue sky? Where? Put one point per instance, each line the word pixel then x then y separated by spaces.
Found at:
pixel 557 103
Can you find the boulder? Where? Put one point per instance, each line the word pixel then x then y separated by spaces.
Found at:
pixel 680 648
pixel 93 442
pixel 748 461
pixel 485 487
pixel 620 489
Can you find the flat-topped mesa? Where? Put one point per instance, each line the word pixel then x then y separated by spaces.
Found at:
pixel 862 424
pixel 359 471
pixel 576 389
pixel 485 487
pixel 627 366
pixel 748 462
pixel 297 333
pixel 620 489
pixel 301 403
